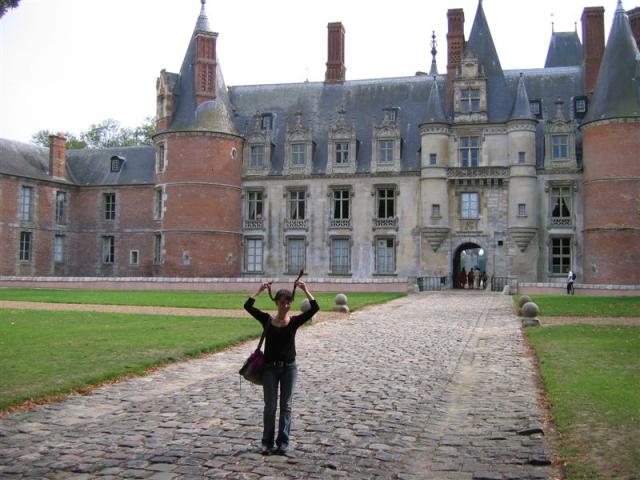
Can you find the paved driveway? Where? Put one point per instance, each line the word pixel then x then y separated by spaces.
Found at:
pixel 430 386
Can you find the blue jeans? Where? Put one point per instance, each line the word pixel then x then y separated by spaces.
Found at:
pixel 285 376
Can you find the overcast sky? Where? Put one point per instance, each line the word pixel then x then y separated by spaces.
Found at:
pixel 65 64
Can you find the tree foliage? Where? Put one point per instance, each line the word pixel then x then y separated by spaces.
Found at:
pixel 106 134
pixel 6 5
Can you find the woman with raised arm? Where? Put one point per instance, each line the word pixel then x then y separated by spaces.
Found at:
pixel 280 362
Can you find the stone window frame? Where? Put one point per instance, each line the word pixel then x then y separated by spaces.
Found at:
pixel 559 126
pixel 246 255
pixel 108 249
pixel 387 130
pixel 301 198
pixel 293 269
pixel 470 148
pixel 258 136
pixel 470 99
pixel 562 255
pixel 161 156
pixel 462 208
pixel 257 222
pixel 435 210
pixel 376 259
pixel 349 262
pixel 337 223
pixel 522 210
pixel 390 222
pixel 342 133
pixel 159 202
pixel 433 159
pixel 134 252
pixel 571 187
pixel 25 246
pixel 109 214
pixel 60 213
pixel 470 76
pixel 522 157
pixel 26 212
pixel 158 248
pixel 298 134
pixel 59 248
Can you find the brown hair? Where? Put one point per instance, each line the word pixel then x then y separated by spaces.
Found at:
pixel 283 294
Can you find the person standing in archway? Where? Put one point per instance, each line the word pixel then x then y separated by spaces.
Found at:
pixel 462 278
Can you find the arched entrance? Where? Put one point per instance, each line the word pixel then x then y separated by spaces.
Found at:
pixel 468 256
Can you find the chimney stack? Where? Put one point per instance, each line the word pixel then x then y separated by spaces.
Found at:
pixel 593 45
pixel 205 66
pixel 57 155
pixel 455 48
pixel 634 20
pixel 335 54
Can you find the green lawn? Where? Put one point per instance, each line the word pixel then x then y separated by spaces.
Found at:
pixel 223 300
pixel 592 376
pixel 579 306
pixel 47 353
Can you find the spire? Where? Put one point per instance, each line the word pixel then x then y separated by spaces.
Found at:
pixel 434 67
pixel 521 107
pixel 481 44
pixel 617 91
pixel 435 111
pixel 203 22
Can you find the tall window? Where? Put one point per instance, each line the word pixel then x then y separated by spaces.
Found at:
pixel 266 121
pixel 522 209
pixel 162 149
pixel 469 151
pixel 108 249
pixel 469 205
pixel 522 157
pixel 295 255
pixel 25 246
pixel 297 205
pixel 470 100
pixel 342 152
pixel 386 202
pixel 341 200
pixel 257 156
pixel 560 255
pixel 61 208
pixel 385 151
pixel 157 249
pixel 26 204
pixel 159 203
pixel 58 248
pixel 254 205
pixel 561 205
pixel 560 147
pixel 134 257
pixel 385 255
pixel 340 255
pixel 435 210
pixel 109 206
pixel 253 259
pixel 297 154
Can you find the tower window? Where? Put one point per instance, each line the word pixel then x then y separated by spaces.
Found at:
pixel 433 159
pixel 521 157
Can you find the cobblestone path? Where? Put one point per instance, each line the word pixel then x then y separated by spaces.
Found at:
pixel 430 386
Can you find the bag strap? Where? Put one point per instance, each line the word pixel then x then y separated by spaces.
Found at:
pixel 264 333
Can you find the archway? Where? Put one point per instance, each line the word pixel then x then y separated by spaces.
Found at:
pixel 468 256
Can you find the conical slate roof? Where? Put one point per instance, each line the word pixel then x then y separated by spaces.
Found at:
pixel 617 92
pixel 435 110
pixel 480 43
pixel 521 107
pixel 565 50
pixel 214 115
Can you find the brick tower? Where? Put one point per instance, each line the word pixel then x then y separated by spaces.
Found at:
pixel 198 167
pixel 611 169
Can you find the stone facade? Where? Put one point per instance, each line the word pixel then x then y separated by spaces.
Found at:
pixel 350 180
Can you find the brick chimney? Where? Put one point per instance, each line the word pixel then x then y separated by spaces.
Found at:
pixel 634 20
pixel 205 66
pixel 593 45
pixel 57 155
pixel 455 48
pixel 335 53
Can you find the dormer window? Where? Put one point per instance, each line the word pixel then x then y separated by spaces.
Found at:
pixel 560 147
pixel 580 106
pixel 390 115
pixel 266 121
pixel 470 100
pixel 257 156
pixel 116 163
pixel 536 108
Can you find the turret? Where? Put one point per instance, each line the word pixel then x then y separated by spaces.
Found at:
pixel 611 140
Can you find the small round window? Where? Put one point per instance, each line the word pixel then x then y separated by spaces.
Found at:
pixel 234 153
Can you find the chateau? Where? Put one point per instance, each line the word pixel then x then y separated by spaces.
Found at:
pixel 524 174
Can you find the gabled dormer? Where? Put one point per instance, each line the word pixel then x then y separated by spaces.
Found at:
pixel 258 147
pixel 470 91
pixel 560 141
pixel 299 147
pixel 165 94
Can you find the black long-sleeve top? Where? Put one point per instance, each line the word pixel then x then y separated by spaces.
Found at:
pixel 280 342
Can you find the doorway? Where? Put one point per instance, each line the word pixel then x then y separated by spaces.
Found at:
pixel 468 256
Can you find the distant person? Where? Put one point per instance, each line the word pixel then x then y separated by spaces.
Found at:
pixel 280 363
pixel 483 279
pixel 571 277
pixel 462 278
pixel 470 278
pixel 476 279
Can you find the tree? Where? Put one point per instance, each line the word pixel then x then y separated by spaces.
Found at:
pixel 6 5
pixel 106 134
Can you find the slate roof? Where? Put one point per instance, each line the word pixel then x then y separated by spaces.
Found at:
pixel 24 159
pixel 93 167
pixel 617 92
pixel 481 44
pixel 565 50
